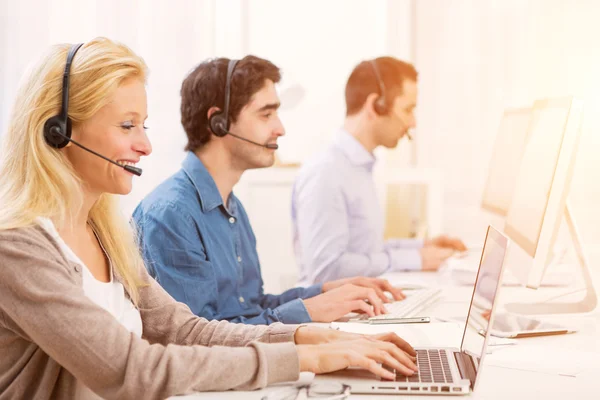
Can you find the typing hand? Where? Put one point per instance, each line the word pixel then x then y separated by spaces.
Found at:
pixel 315 335
pixel 432 257
pixel 365 352
pixel 446 242
pixel 342 300
pixel 379 285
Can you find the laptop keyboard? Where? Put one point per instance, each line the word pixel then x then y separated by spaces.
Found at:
pixel 433 368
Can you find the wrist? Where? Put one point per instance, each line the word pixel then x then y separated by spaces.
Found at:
pixel 303 351
pixel 299 336
pixel 306 335
pixel 309 309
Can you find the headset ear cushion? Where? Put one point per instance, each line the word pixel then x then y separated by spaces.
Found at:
pixel 217 124
pixel 52 127
pixel 379 106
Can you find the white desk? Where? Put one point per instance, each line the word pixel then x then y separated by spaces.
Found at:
pixel 500 379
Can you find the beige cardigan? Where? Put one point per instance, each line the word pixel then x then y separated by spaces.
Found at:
pixel 52 335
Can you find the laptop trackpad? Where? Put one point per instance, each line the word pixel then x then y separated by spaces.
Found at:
pixel 352 373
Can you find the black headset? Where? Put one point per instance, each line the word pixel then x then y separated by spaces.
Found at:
pixel 57 130
pixel 219 120
pixel 380 105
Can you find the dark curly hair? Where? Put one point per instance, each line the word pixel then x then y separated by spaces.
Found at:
pixel 204 88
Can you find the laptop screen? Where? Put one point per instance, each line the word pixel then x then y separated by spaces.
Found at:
pixel 484 294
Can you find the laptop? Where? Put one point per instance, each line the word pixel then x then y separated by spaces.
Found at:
pixel 447 371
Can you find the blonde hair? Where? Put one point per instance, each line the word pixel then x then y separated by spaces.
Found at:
pixel 37 180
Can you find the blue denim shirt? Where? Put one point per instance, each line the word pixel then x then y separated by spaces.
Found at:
pixel 204 254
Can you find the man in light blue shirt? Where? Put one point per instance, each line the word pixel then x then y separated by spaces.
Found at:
pixel 338 223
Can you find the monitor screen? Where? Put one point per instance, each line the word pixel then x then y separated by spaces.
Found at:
pixel 506 159
pixel 536 173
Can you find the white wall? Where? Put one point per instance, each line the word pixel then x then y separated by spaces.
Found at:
pixel 474 57
pixel 477 57
pixel 315 43
pixel 172 38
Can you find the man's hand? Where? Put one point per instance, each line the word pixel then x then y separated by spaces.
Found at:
pixel 340 301
pixel 446 242
pixel 379 285
pixel 432 257
pixel 486 314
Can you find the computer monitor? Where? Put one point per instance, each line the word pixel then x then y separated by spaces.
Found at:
pixel 506 158
pixel 539 200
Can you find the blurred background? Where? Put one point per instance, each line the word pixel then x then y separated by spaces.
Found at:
pixel 475 58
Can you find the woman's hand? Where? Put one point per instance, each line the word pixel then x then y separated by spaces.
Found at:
pixel 315 335
pixel 365 352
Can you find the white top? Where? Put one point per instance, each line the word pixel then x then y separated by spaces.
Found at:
pixel 108 295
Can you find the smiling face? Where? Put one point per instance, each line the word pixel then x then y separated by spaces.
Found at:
pixel 116 131
pixel 259 122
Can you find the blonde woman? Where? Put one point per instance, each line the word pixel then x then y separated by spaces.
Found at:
pixel 79 315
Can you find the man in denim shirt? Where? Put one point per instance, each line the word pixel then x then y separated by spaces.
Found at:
pixel 195 234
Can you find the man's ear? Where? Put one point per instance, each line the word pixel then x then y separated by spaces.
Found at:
pixel 369 106
pixel 211 111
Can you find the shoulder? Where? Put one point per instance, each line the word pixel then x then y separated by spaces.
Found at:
pixel 22 249
pixel 32 237
pixel 328 163
pixel 326 170
pixel 176 196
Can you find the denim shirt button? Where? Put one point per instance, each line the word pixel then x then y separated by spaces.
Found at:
pixel 231 220
pixel 241 299
pixel 239 259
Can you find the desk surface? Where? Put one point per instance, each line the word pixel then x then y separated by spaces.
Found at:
pixel 550 367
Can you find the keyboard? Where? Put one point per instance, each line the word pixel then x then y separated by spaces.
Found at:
pixel 433 368
pixel 416 301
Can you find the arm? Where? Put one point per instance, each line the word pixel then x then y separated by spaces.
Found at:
pixel 407 252
pixel 174 253
pixel 168 321
pixel 287 307
pixel 274 300
pixel 277 300
pixel 292 312
pixel 404 243
pixel 43 302
pixel 323 234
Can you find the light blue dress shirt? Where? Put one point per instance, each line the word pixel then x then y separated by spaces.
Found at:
pixel 338 222
pixel 204 253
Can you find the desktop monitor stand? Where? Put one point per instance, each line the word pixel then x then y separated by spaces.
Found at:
pixel 585 305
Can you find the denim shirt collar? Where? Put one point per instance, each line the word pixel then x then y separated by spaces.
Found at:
pixel 205 185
